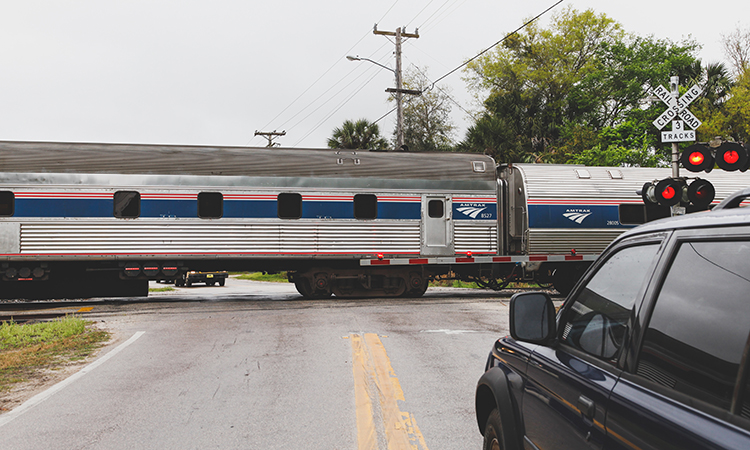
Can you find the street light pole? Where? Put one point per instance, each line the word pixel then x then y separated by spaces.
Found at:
pixel 399 91
pixel 399 108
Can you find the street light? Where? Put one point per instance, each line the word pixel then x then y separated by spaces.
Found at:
pixel 398 91
pixel 357 58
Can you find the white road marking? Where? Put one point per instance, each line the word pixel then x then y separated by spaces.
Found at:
pixel 42 396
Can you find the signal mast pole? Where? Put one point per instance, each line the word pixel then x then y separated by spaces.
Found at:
pixel 674 84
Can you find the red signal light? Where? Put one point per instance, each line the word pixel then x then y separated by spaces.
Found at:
pixel 697 158
pixel 732 156
pixel 669 191
pixel 701 193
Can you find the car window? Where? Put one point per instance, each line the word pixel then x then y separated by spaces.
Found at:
pixel 597 320
pixel 700 323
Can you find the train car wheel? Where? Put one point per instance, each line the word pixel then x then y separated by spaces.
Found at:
pixel 304 287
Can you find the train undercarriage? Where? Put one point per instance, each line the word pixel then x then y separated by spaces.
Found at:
pixel 342 279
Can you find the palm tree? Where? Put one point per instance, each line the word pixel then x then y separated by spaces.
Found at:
pixel 361 134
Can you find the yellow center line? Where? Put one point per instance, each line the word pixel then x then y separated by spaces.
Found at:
pixel 374 376
pixel 366 436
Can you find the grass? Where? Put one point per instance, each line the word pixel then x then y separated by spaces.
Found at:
pixel 26 349
pixel 161 289
pixel 261 276
pixel 282 278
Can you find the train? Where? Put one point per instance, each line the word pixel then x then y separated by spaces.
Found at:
pixel 102 220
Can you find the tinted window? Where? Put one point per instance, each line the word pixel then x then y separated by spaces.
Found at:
pixel 289 206
pixel 435 209
pixel 365 206
pixel 7 203
pixel 210 205
pixel 127 204
pixel 597 321
pixel 700 323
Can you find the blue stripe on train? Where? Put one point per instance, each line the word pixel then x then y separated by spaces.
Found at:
pixel 251 209
pixel 574 216
pixel 51 207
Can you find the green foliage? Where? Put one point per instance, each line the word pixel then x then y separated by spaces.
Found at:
pixel 161 289
pixel 26 349
pixel 359 135
pixel 427 125
pixel 262 276
pixel 737 110
pixel 13 335
pixel 578 88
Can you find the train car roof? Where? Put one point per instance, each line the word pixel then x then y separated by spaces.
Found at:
pixel 95 158
pixel 616 184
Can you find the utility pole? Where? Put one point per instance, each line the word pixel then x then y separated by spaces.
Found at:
pixel 270 135
pixel 399 34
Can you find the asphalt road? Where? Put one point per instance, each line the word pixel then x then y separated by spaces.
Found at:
pixel 253 366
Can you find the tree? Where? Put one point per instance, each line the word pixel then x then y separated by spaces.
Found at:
pixel 530 75
pixel 737 110
pixel 737 48
pixel 361 134
pixel 568 89
pixel 427 125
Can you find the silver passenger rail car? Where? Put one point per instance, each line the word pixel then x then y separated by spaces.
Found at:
pixel 554 220
pixel 82 219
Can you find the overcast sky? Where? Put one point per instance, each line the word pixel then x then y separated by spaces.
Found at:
pixel 212 72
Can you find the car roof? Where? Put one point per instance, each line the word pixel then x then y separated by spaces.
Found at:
pixel 728 213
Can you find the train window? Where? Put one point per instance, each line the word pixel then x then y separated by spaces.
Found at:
pixel 435 209
pixel 7 203
pixel 289 206
pixel 365 206
pixel 210 205
pixel 127 204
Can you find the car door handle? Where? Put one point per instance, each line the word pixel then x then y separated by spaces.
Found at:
pixel 586 406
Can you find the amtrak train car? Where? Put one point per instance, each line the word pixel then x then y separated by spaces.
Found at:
pixel 103 219
pixel 554 220
pixel 82 219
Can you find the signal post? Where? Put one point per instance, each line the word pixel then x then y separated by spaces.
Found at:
pixel 671 191
pixel 674 192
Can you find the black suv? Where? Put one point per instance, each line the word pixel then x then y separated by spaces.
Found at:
pixel 650 350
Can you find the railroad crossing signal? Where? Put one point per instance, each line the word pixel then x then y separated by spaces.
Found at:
pixel 729 156
pixel 677 108
pixel 675 191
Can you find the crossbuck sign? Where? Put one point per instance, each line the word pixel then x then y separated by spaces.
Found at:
pixel 677 108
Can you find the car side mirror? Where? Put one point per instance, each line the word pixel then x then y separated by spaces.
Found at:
pixel 532 317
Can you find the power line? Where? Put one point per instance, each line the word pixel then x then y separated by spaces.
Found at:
pixel 323 75
pixel 498 42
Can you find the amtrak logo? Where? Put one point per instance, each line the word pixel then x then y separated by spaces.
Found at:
pixel 471 211
pixel 577 215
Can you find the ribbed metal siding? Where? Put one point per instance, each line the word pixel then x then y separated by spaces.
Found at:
pixel 218 238
pixel 562 241
pixel 560 182
pixel 475 238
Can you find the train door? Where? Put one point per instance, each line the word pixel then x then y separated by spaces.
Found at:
pixel 437 226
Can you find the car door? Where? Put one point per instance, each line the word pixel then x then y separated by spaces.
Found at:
pixel 684 387
pixel 568 384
